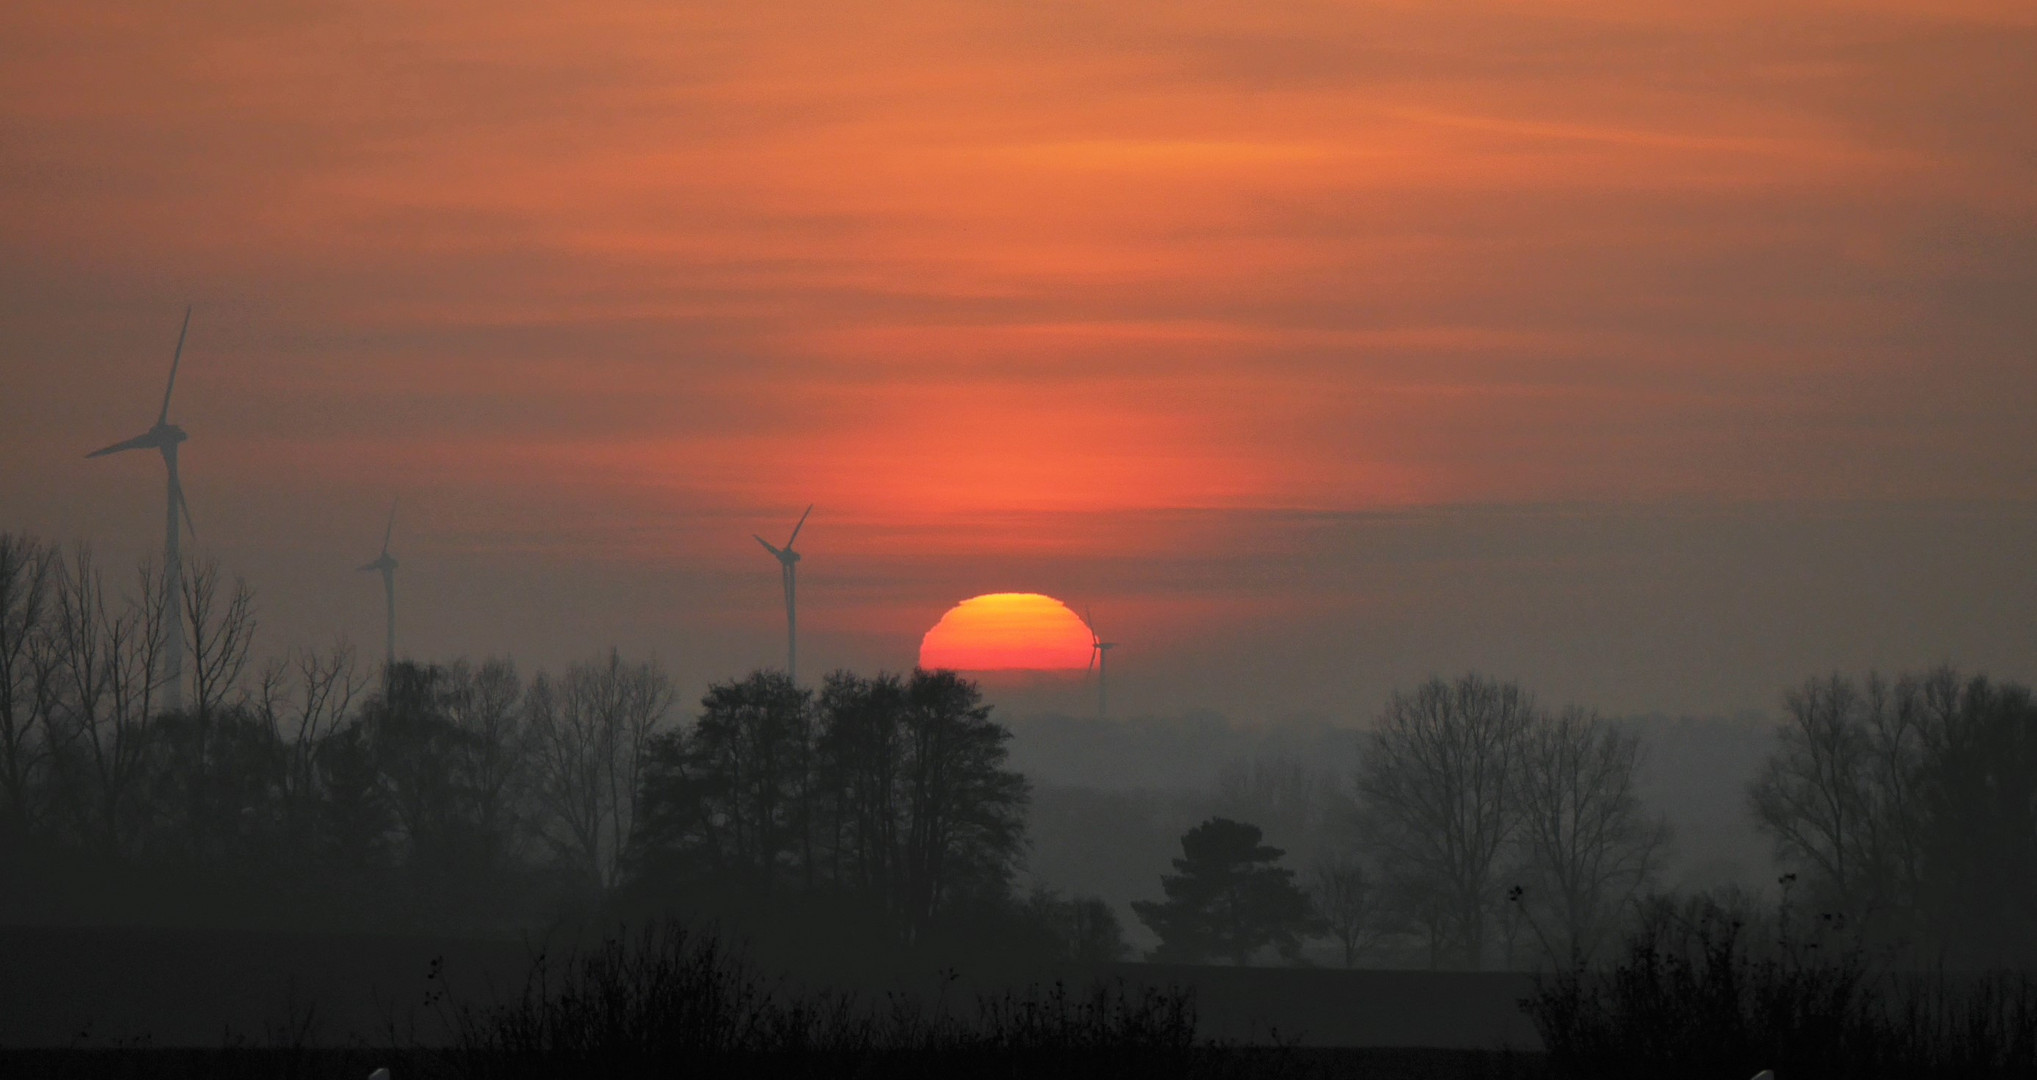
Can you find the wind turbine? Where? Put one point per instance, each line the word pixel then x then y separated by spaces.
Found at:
pixel 387 564
pixel 163 438
pixel 1099 657
pixel 788 567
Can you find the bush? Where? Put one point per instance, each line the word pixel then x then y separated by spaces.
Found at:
pixel 1695 996
pixel 673 1001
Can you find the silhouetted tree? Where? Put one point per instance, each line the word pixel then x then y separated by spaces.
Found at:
pixel 1439 807
pixel 418 753
pixel 1227 899
pixel 1910 806
pixel 485 703
pixel 1349 905
pixel 1978 790
pixel 860 754
pixel 1081 929
pixel 964 827
pixel 1588 844
pixel 891 791
pixel 591 732
pixel 304 699
pixel 1840 797
pixel 28 571
pixel 729 797
pixel 219 628
pixel 106 668
pixel 355 825
pixel 216 770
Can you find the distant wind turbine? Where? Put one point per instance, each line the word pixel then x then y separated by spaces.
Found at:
pixel 1099 657
pixel 788 567
pixel 387 564
pixel 163 438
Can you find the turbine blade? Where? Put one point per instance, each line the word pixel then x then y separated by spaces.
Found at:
pixel 767 545
pixel 184 505
pixel 391 530
pixel 164 416
pixel 143 441
pixel 796 528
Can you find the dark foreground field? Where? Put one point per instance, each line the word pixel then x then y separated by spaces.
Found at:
pixel 1347 1063
pixel 99 988
pixel 1688 999
pixel 183 1003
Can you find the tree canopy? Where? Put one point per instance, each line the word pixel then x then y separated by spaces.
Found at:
pixel 1227 899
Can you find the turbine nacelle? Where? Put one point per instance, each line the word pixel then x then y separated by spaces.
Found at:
pixel 386 563
pixel 783 554
pixel 788 569
pixel 161 437
pixel 164 437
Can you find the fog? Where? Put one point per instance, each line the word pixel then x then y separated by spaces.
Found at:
pixel 1554 480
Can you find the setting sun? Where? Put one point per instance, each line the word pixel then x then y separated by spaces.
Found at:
pixel 1007 632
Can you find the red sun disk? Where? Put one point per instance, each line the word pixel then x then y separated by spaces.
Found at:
pixel 1007 632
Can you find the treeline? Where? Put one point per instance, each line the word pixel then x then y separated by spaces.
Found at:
pixel 308 792
pixel 304 791
pixel 890 792
pixel 1908 808
pixel 1475 828
pixel 1471 827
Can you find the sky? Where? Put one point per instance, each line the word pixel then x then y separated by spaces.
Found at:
pixel 1657 355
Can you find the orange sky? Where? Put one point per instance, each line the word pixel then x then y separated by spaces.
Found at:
pixel 607 283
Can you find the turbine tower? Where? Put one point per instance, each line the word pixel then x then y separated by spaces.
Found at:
pixel 164 438
pixel 788 568
pixel 1099 657
pixel 387 564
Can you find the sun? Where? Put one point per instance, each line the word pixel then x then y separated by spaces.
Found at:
pixel 1007 632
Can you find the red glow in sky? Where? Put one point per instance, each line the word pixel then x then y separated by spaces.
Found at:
pixel 1007 632
pixel 1141 302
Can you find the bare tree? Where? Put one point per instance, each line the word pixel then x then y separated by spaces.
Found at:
pixel 591 730
pixel 220 627
pixel 1438 804
pixel 304 698
pixel 27 570
pixel 1588 843
pixel 1811 796
pixel 486 703
pixel 1350 905
pixel 108 665
pixel 1840 797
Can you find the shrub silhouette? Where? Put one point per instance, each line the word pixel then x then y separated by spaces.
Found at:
pixel 675 1001
pixel 1694 995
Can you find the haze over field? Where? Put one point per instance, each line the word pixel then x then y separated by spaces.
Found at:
pixel 1134 538
pixel 1656 358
